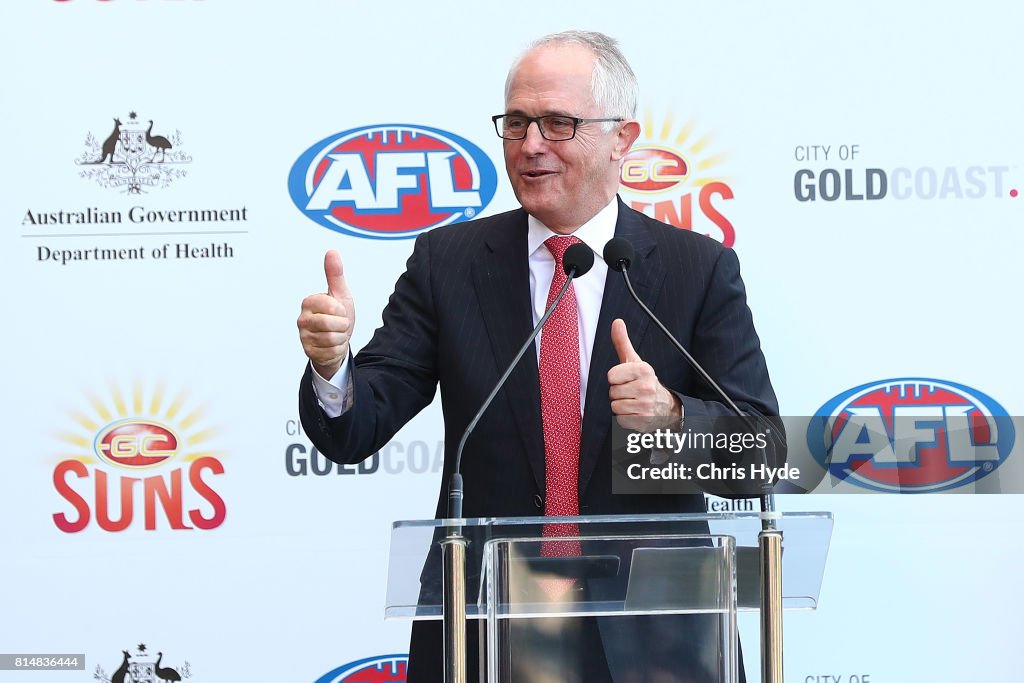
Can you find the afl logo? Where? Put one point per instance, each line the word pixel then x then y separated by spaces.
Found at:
pixel 392 181
pixel 911 435
pixel 136 444
pixel 651 168
pixel 382 669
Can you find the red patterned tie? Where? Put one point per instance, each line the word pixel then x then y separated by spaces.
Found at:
pixel 560 407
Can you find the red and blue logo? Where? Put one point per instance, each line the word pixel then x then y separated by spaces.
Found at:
pixel 382 669
pixel 392 181
pixel 911 435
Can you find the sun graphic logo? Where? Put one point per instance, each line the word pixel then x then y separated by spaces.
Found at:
pixel 140 454
pixel 666 167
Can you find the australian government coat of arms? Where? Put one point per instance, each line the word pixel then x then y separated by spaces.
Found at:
pixel 132 158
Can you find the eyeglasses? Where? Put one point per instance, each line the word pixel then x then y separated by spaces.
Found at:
pixel 553 128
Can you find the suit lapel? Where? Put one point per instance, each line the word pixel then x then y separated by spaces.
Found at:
pixel 647 274
pixel 502 281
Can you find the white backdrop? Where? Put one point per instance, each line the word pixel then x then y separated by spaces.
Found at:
pixel 288 582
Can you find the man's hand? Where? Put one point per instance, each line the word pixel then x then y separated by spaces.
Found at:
pixel 635 392
pixel 326 321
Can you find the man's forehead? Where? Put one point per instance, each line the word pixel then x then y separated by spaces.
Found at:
pixel 554 73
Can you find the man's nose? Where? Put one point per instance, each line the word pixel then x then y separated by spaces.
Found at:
pixel 534 141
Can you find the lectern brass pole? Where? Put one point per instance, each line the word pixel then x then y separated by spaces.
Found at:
pixel 770 543
pixel 454 551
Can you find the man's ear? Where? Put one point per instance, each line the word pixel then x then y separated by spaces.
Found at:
pixel 629 131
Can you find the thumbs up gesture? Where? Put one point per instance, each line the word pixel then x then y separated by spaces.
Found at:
pixel 326 320
pixel 635 392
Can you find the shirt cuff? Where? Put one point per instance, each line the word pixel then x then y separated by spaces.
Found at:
pixel 335 394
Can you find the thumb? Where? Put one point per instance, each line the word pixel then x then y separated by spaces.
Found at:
pixel 335 273
pixel 623 347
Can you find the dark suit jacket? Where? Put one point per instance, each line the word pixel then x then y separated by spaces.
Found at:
pixel 462 309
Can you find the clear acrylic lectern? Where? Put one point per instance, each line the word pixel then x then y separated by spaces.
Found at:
pixel 657 594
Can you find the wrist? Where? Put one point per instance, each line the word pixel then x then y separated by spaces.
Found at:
pixel 326 372
pixel 674 403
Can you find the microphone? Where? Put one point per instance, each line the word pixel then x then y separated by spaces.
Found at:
pixel 619 254
pixel 577 260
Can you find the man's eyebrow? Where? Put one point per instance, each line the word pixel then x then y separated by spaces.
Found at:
pixel 549 112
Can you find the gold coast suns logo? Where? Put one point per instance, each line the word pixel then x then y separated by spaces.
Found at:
pixel 142 458
pixel 672 174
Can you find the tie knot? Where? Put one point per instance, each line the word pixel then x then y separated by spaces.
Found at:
pixel 558 245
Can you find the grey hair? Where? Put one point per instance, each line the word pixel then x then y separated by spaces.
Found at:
pixel 613 83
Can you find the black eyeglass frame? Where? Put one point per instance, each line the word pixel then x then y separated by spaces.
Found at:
pixel 576 121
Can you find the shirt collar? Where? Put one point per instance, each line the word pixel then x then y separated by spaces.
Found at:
pixel 595 233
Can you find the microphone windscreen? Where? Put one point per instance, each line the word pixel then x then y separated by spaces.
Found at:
pixel 578 256
pixel 618 254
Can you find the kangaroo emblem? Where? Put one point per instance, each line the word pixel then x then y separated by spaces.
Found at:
pixel 122 671
pixel 110 144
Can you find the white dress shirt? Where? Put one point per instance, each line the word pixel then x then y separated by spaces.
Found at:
pixel 595 233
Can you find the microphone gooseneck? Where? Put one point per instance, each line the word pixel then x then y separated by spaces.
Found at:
pixel 577 260
pixel 619 255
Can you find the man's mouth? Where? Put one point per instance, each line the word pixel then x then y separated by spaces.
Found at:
pixel 537 173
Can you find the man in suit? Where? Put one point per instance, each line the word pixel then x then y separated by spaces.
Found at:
pixel 472 292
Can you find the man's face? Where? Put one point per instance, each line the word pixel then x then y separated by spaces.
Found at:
pixel 563 184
